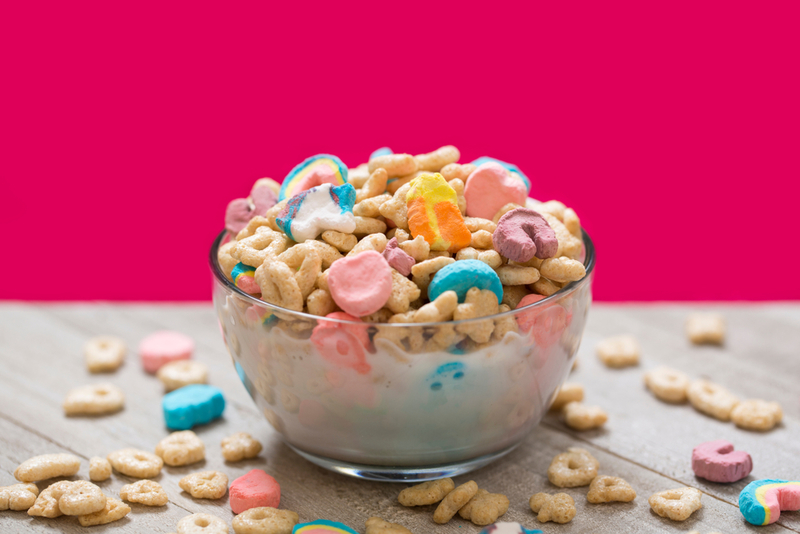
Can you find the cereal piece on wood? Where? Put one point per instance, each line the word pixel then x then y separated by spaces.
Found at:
pixel 240 446
pixel 755 414
pixel 196 404
pixel 342 242
pixel 558 508
pixel 573 469
pixel 181 373
pixel 68 498
pixel 376 525
pixel 104 354
pixel 667 384
pixel 253 490
pixel 136 463
pixel 94 400
pixel 484 508
pixel 569 392
pixel 265 520
pixel 706 329
pixel 610 489
pixel 146 492
pixel 205 484
pixel 453 501
pixel 619 351
pixel 426 493
pixel 762 501
pixel 202 524
pixel 47 466
pixel 676 504
pixel 578 416
pixel 99 469
pixel 711 399
pixel 18 497
pixel 114 511
pixel 181 448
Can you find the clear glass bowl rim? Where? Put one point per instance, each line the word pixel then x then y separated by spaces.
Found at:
pixel 589 263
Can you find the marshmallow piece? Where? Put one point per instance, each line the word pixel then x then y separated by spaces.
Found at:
pixel 244 278
pixel 162 347
pixel 360 284
pixel 312 172
pixel 718 462
pixel 196 404
pixel 462 275
pixel 509 528
pixel 523 233
pixel 761 502
pixel 241 210
pixel 383 151
pixel 433 213
pixel 512 169
pixel 254 490
pixel 397 258
pixel 323 526
pixel 489 188
pixel 315 210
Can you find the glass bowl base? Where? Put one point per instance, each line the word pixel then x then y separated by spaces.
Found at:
pixel 383 473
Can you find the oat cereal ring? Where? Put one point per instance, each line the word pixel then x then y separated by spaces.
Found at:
pixel 99 469
pixel 426 493
pixel 434 161
pixel 253 225
pixel 136 463
pixel 440 309
pixel 578 416
pixel 545 287
pixel 225 260
pixel 47 466
pixel 327 253
pixel 491 258
pixel 114 510
pixel 513 275
pixel 417 248
pixel 18 497
pixel 265 520
pixel 512 295
pixel 257 248
pixel 563 269
pixel 610 489
pixel 573 469
pixel 104 354
pixel 453 501
pixel 667 384
pixel 711 399
pixel 458 187
pixel 476 223
pixel 181 373
pixel 706 328
pixel 423 272
pixel 306 264
pixel 502 211
pixel 369 225
pixel 676 504
pixel 619 351
pixel 396 209
pixel 569 392
pixel 484 508
pixel 94 400
pixel 757 414
pixel 202 524
pixel 396 165
pixel 374 186
pixel 278 285
pixel 376 242
pixel 181 448
pixel 376 525
pixel 481 240
pixel 68 498
pixel 358 177
pixel 205 484
pixel 240 446
pixel 558 508
pixel 320 303
pixel 478 303
pixel 272 215
pixel 146 492
pixel 342 242
pixel 451 171
pixel 370 207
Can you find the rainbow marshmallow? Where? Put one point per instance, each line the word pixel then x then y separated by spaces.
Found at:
pixel 322 526
pixel 320 208
pixel 508 528
pixel 383 151
pixel 513 169
pixel 244 278
pixel 314 171
pixel 762 501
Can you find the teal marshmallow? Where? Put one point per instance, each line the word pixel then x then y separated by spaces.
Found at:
pixel 509 166
pixel 196 404
pixel 462 275
pixel 384 151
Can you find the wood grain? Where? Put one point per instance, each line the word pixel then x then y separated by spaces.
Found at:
pixel 645 441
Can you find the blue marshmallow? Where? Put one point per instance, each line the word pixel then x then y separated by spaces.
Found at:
pixel 462 275
pixel 196 404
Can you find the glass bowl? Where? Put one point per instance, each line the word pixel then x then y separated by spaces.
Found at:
pixel 403 401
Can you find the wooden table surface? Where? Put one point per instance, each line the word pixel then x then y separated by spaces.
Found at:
pixel 645 441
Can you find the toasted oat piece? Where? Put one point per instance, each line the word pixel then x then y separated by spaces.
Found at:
pixel 706 328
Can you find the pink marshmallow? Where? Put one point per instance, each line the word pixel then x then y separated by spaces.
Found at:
pixel 360 284
pixel 397 258
pixel 489 188
pixel 241 210
pixel 342 344
pixel 162 347
pixel 522 234
pixel 253 490
pixel 718 462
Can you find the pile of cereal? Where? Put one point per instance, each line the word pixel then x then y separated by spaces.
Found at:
pixel 401 239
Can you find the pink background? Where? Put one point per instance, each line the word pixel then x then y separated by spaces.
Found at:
pixel 672 129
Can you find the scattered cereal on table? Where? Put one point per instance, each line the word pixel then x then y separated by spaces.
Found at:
pixel 705 329
pixel 453 501
pixel 376 525
pixel 509 528
pixel 202 524
pixel 426 493
pixel 205 484
pixel 114 510
pixel 718 462
pixel 558 508
pixel 68 498
pixel 240 446
pixel 755 414
pixel 676 504
pixel 619 351
pixel 667 384
pixel 99 469
pixel 18 497
pixel 323 526
pixel 47 466
pixel 572 469
pixel 569 392
pixel 97 399
pixel 136 463
pixel 578 416
pixel 175 375
pixel 181 448
pixel 104 354
pixel 610 489
pixel 711 399
pixel 160 348
pixel 265 520
pixel 484 508
pixel 146 492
